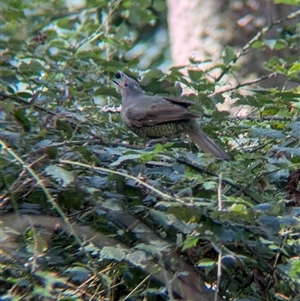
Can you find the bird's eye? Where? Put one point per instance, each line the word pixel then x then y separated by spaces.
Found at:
pixel 126 85
pixel 118 75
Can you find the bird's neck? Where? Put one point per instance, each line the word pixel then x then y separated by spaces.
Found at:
pixel 129 98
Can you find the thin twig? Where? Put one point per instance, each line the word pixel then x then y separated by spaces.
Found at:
pixel 262 32
pixel 229 182
pixel 94 36
pixel 43 187
pixel 220 191
pixel 137 287
pixel 106 170
pixel 248 83
pixel 38 107
pixel 219 275
pixel 260 118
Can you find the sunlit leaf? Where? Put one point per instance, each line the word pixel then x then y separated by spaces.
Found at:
pixel 206 262
pixel 64 177
pixel 190 242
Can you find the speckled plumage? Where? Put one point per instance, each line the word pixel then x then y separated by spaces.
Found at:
pixel 169 130
pixel 152 117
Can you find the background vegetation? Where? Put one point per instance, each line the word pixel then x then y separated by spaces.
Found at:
pixel 89 213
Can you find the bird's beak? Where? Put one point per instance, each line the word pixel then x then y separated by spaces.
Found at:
pixel 118 77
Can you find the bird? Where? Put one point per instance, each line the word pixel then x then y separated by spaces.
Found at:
pixel 154 116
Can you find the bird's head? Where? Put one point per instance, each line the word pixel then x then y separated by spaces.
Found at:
pixel 127 85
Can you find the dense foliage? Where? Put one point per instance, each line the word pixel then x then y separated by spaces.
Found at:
pixel 91 213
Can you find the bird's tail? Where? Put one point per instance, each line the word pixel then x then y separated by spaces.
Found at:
pixel 205 143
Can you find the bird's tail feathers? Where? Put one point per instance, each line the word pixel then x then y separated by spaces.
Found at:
pixel 206 144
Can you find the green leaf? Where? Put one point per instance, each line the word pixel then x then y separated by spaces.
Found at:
pixel 268 133
pixel 113 253
pixel 206 262
pixel 295 269
pixel 258 45
pixel 24 94
pixel 190 241
pixel 289 95
pixel 106 90
pixel 137 258
pixel 122 31
pixel 125 158
pixel 270 223
pixel 175 91
pixel 280 44
pixel 159 5
pixel 57 43
pixel 78 273
pixel 289 2
pixel 67 23
pixel 32 68
pixel 22 118
pixel 60 175
pixel 294 69
pixel 208 185
pixel 295 126
pixel 270 111
pixel 139 14
pixel 228 55
pixel 52 152
pixel 143 4
pixel 152 74
pixel 65 126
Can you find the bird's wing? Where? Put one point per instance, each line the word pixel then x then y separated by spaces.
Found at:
pixel 158 113
pixel 181 102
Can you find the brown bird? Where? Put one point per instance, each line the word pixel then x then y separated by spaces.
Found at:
pixel 152 117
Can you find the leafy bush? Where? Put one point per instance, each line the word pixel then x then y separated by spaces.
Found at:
pixel 90 213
